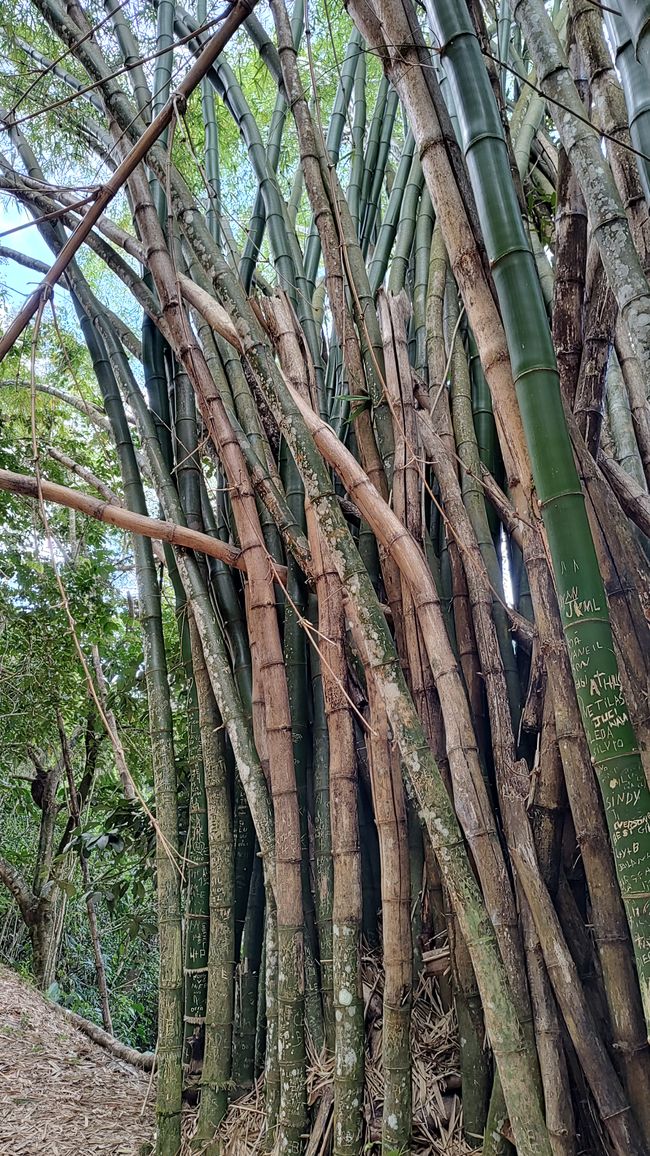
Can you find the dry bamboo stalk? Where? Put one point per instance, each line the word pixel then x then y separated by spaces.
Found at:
pixel 30 487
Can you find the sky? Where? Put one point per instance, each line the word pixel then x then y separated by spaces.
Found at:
pixel 14 279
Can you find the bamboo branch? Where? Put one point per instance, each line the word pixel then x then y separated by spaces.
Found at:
pixel 30 487
pixel 88 409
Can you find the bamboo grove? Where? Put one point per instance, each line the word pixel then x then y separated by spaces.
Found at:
pixel 383 395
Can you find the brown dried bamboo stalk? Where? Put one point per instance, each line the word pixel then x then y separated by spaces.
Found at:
pixel 570 259
pixel 408 508
pixel 438 409
pixel 598 333
pixel 126 520
pixel 269 655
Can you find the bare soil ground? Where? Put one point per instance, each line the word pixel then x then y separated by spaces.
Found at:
pixel 60 1094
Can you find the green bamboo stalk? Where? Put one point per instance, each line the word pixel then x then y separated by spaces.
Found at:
pixel 288 261
pixel 358 137
pixel 131 56
pixel 581 594
pixel 197 915
pixel 284 244
pixel 406 227
pixel 211 149
pixel 249 973
pixel 381 253
pixel 621 426
pixel 421 259
pixel 169 1086
pixel 475 1064
pixel 258 217
pixel 635 78
pixel 372 203
pixel 219 1010
pixel 372 147
pixel 161 87
pixel 484 423
pixel 352 61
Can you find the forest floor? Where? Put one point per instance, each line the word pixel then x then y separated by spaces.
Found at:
pixel 60 1094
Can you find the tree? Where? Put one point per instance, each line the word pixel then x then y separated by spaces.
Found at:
pixel 397 375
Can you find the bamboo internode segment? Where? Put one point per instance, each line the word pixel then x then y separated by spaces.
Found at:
pixel 126 520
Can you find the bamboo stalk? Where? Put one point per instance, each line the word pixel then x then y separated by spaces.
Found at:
pixel 126 519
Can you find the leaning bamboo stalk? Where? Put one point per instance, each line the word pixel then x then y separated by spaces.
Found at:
pixel 117 179
pixel 634 499
pixel 620 435
pixel 125 519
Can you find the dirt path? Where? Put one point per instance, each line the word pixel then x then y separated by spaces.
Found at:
pixel 60 1094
